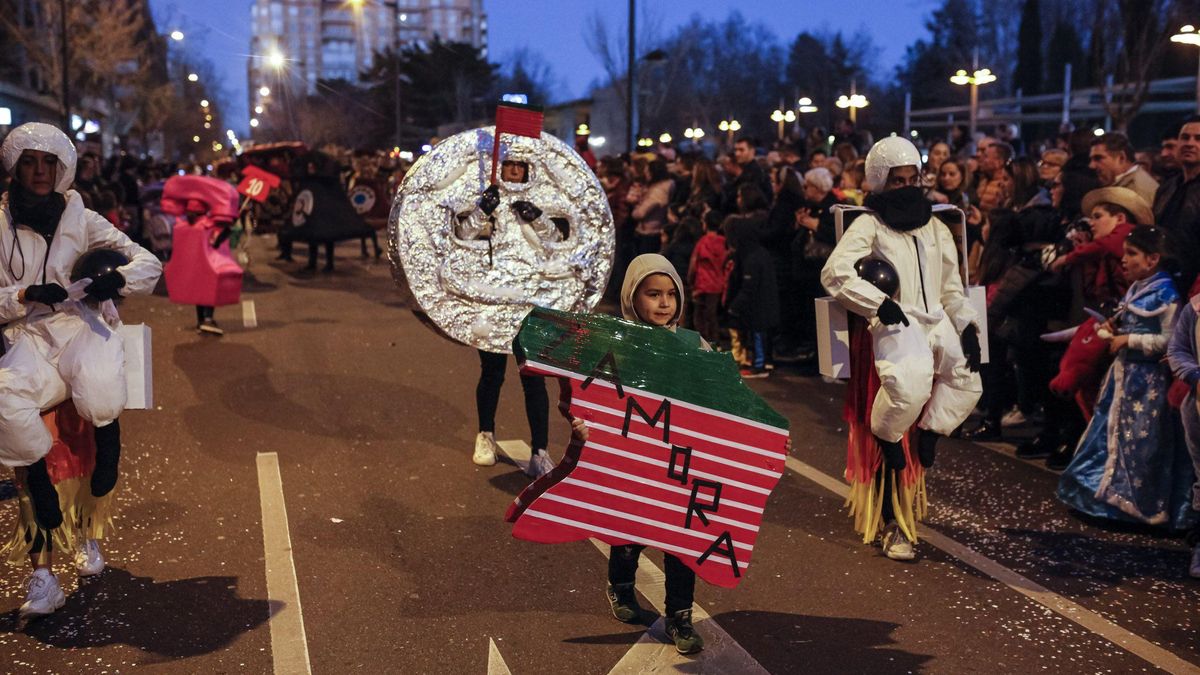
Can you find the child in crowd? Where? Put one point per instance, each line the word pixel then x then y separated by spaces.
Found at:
pixel 706 277
pixel 1129 465
pixel 1184 358
pixel 1113 213
pixel 654 294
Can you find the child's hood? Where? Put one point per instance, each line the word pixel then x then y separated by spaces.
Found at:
pixel 643 266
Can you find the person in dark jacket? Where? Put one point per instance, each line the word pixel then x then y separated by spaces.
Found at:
pixel 753 293
pixel 1177 206
pixel 777 235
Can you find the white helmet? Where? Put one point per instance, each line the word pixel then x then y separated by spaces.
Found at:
pixel 46 138
pixel 886 155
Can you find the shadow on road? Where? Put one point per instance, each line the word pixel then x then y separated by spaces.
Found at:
pixel 170 619
pixel 781 642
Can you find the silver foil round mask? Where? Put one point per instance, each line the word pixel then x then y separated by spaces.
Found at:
pixel 549 242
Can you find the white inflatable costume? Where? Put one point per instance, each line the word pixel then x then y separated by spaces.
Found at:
pixel 68 350
pixel 921 365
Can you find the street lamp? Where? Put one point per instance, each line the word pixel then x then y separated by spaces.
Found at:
pixel 264 91
pixel 203 103
pixel 729 127
pixel 975 79
pixel 664 137
pixel 192 77
pixel 694 134
pixel 806 105
pixel 645 143
pixel 177 35
pixel 1188 35
pixel 782 118
pixel 276 59
pixel 854 101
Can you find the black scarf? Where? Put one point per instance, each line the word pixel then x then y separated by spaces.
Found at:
pixel 41 214
pixel 904 209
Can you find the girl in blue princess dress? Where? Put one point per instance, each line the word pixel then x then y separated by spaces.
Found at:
pixel 1131 464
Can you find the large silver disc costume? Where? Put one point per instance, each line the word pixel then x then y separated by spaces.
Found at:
pixel 475 276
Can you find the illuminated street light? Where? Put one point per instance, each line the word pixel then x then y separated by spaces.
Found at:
pixel 258 110
pixel 729 127
pixel 264 91
pixel 583 130
pixel 254 121
pixel 195 139
pixel 694 133
pixel 192 77
pixel 781 117
pixel 976 78
pixel 664 138
pixel 1188 35
pixel 806 105
pixel 597 141
pixel 275 59
pixel 177 35
pixel 645 142
pixel 204 103
pixel 1098 132
pixel 854 101
pixel 208 125
pixel 208 118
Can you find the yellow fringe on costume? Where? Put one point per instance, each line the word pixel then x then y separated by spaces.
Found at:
pixel 85 516
pixel 910 504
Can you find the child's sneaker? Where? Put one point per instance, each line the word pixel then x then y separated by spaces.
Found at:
pixel 679 628
pixel 623 600
pixel 88 560
pixel 210 327
pixel 540 464
pixel 895 545
pixel 42 596
pixel 485 449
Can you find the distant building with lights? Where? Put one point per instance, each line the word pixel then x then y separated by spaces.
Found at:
pixel 337 39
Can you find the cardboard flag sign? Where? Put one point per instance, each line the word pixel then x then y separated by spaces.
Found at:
pixel 256 183
pixel 519 120
pixel 680 454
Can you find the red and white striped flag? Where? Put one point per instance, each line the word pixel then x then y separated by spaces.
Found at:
pixel 681 455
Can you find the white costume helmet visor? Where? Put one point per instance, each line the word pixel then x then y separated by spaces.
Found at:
pixel 886 155
pixel 46 138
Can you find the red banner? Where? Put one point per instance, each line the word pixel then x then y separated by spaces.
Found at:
pixel 257 184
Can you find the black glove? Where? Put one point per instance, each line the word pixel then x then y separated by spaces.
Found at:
pixel 526 211
pixel 891 314
pixel 926 447
pixel 47 294
pixel 971 349
pixel 105 286
pixel 489 200
pixel 893 454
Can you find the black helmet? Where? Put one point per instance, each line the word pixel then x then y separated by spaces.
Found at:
pixel 880 274
pixel 97 263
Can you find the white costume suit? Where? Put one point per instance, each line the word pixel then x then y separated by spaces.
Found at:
pixel 69 351
pixel 923 362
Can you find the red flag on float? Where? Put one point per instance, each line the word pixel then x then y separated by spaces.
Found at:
pixel 257 183
pixel 680 456
pixel 516 119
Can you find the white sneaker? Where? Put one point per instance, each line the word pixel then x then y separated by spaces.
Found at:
pixel 896 546
pixel 485 449
pixel 540 464
pixel 1194 570
pixel 43 595
pixel 88 561
pixel 1013 418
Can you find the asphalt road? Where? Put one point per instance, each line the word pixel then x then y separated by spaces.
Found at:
pixel 403 563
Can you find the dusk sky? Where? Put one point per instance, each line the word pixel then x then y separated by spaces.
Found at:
pixel 220 29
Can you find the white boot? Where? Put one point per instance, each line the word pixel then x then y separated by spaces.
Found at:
pixel 485 449
pixel 895 545
pixel 43 595
pixel 88 561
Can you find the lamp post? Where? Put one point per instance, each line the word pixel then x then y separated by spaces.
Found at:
pixel 730 127
pixel 854 101
pixel 781 117
pixel 693 134
pixel 805 105
pixel 1188 35
pixel 975 79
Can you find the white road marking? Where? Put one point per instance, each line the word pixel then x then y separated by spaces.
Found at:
pixel 249 315
pixel 496 664
pixel 289 647
pixel 1090 620
pixel 654 652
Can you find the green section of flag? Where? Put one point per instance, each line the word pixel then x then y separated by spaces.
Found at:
pixel 645 357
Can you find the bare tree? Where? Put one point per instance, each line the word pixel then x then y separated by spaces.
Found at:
pixel 1128 39
pixel 610 45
